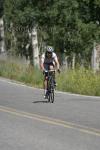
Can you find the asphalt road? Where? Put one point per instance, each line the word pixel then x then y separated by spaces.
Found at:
pixel 28 122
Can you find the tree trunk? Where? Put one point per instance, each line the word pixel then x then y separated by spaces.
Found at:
pixel 93 59
pixel 73 61
pixel 35 47
pixel 2 49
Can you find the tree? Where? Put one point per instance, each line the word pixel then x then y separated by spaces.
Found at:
pixel 72 25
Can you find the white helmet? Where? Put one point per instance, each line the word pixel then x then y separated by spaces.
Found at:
pixel 50 49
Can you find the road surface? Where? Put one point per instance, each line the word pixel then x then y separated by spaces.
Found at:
pixel 28 122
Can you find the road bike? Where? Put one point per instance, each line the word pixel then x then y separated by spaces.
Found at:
pixel 50 85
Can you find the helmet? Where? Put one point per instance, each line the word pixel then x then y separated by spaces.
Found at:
pixel 50 49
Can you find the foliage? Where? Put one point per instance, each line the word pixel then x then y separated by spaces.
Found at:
pixel 1 8
pixel 66 24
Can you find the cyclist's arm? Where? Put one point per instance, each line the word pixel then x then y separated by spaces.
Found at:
pixel 42 63
pixel 57 62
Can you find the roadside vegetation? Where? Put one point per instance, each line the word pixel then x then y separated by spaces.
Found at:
pixel 81 81
pixel 22 73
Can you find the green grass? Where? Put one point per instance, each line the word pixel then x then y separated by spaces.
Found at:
pixel 79 81
pixel 22 73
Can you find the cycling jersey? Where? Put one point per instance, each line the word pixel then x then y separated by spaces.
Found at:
pixel 48 61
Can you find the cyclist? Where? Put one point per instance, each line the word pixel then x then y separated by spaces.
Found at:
pixel 49 61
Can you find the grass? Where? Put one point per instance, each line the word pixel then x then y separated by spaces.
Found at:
pixel 22 73
pixel 79 81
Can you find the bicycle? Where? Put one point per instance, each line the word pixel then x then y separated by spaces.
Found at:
pixel 50 85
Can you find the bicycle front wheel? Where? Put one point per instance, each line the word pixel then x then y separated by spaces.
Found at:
pixel 52 96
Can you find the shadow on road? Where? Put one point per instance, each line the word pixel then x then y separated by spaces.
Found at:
pixel 35 102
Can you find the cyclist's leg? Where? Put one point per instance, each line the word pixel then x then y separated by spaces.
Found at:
pixel 45 85
pixel 52 67
pixel 45 82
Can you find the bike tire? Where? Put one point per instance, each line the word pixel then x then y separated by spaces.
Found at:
pixel 50 90
pixel 52 96
pixel 49 98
